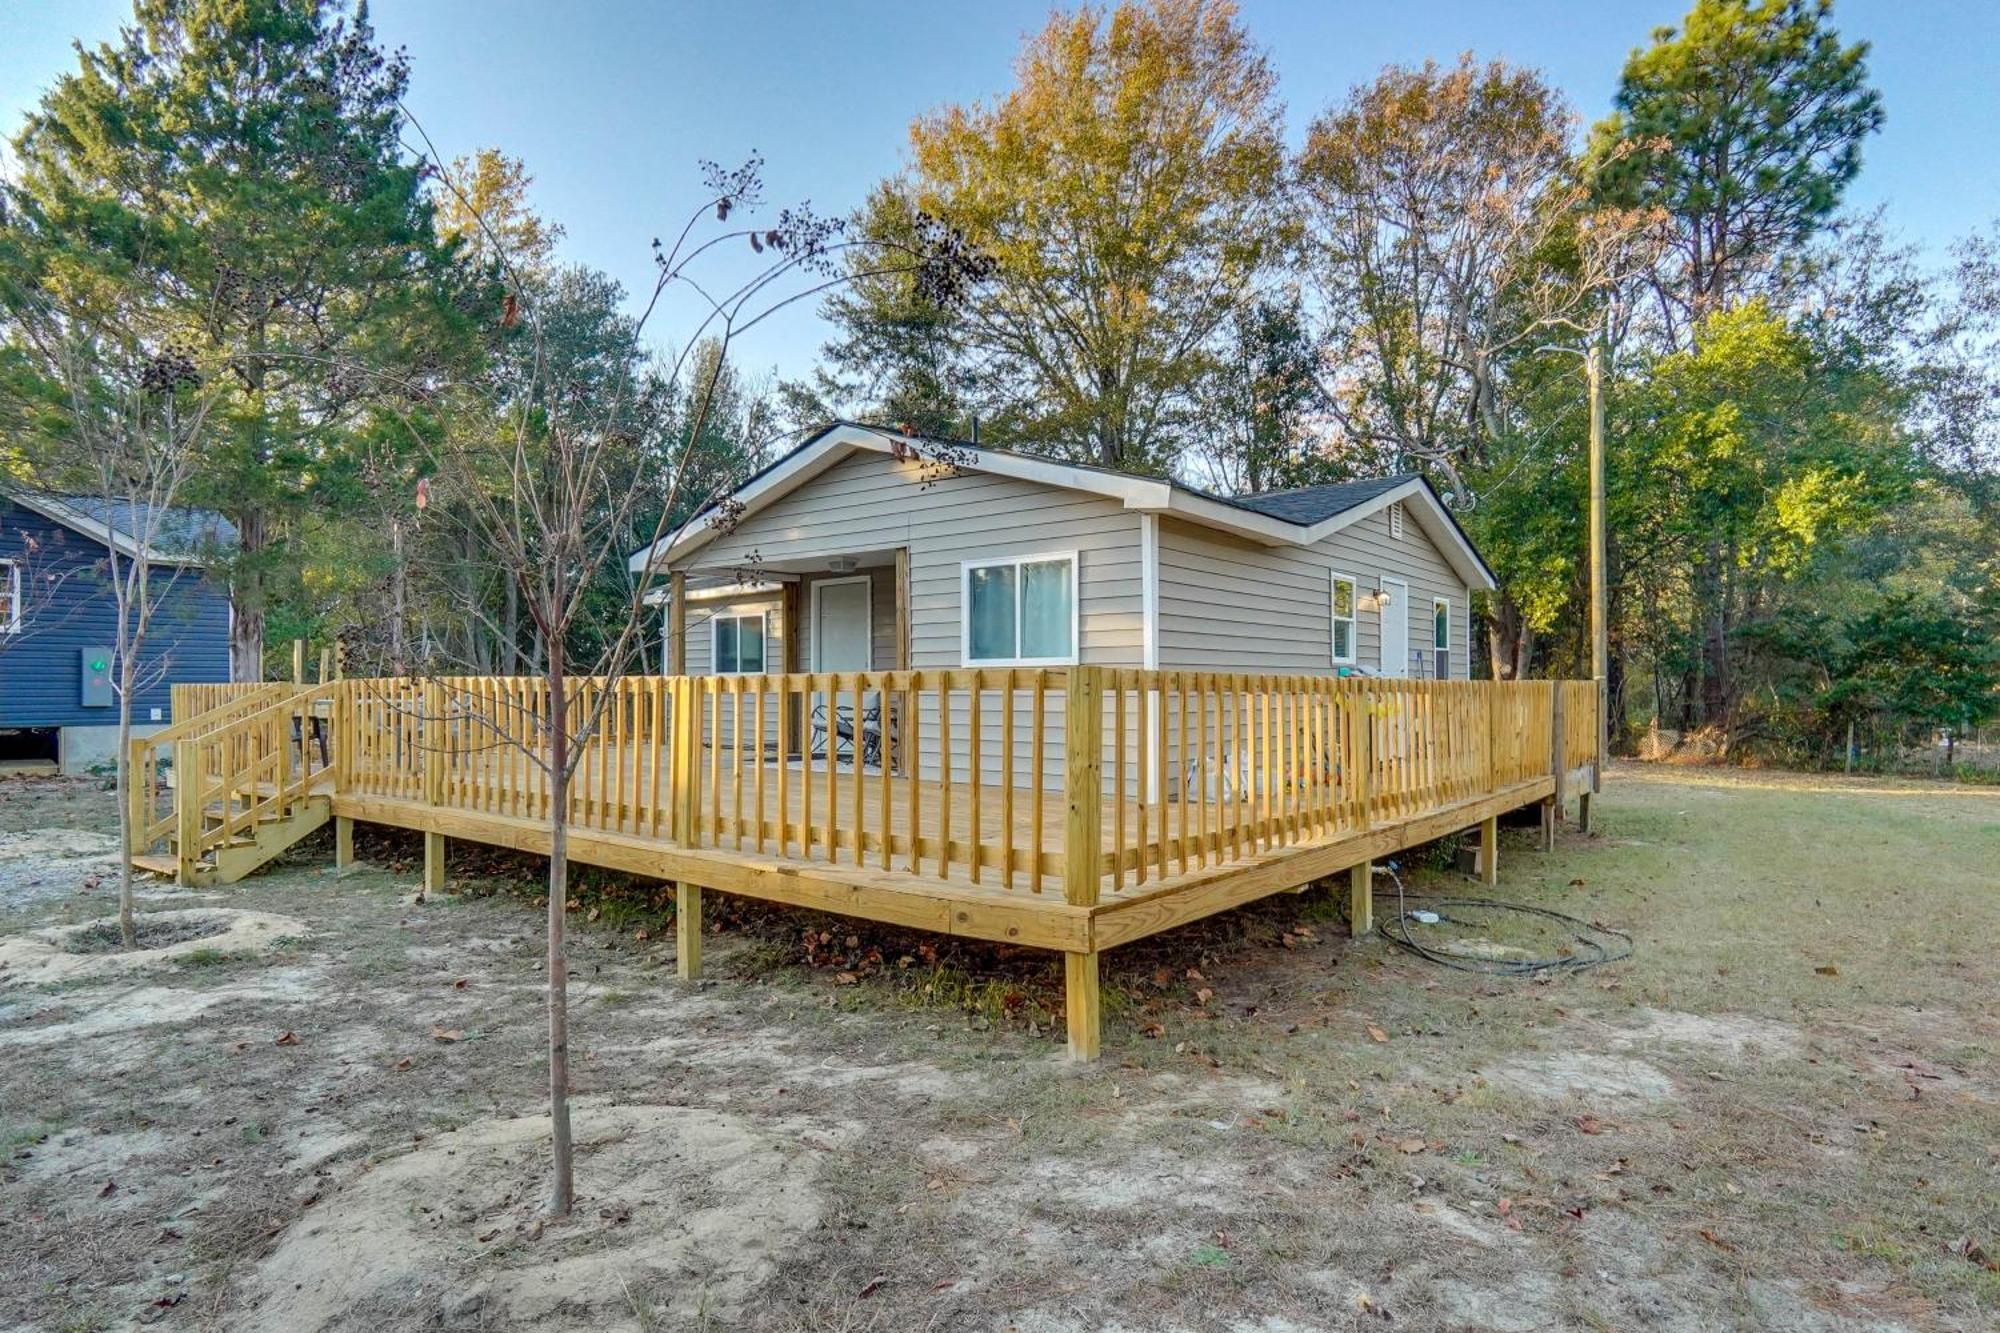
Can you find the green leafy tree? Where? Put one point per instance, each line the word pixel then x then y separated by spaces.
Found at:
pixel 246 154
pixel 1745 126
pixel 1129 194
pixel 1778 454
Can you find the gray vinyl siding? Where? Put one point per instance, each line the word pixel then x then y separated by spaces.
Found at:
pixel 869 504
pixel 872 503
pixel 1231 604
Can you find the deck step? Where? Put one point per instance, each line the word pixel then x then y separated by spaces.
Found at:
pixel 160 863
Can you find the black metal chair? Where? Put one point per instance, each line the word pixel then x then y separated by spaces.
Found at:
pixel 843 733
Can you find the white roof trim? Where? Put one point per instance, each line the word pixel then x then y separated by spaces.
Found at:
pixel 1143 494
pixel 103 533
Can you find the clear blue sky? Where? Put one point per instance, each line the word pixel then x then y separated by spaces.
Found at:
pixel 611 103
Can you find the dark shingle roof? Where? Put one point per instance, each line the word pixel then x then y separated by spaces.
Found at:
pixel 1311 504
pixel 179 531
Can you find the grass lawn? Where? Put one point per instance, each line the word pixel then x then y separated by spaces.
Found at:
pixel 1782 1112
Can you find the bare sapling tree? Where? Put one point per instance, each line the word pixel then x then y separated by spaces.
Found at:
pixel 124 409
pixel 559 472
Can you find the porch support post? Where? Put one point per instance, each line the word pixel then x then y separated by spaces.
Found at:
pixel 434 862
pixel 1548 809
pixel 1556 723
pixel 1361 899
pixel 1583 801
pixel 897 758
pixel 1084 1002
pixel 677 623
pixel 1489 850
pixel 1083 785
pixel 343 842
pixel 187 810
pixel 687 930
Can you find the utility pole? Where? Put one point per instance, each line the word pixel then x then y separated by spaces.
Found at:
pixel 1600 643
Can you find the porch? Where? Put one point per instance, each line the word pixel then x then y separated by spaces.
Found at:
pixel 1073 809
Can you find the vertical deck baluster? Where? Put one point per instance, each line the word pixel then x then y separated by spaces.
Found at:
pixel 1007 733
pixel 973 776
pixel 946 680
pixel 1118 782
pixel 1035 742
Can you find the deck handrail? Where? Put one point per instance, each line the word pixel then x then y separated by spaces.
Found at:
pixel 938 772
pixel 231 772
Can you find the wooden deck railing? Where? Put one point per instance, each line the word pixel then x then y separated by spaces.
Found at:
pixel 191 701
pixel 1075 781
pixel 232 768
pixel 1214 767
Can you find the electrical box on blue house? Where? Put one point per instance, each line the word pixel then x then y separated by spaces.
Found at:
pixel 96 677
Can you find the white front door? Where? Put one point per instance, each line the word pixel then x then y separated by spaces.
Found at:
pixel 840 637
pixel 1394 605
pixel 841 642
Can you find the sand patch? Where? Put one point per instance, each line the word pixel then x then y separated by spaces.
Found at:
pixel 121 1012
pixel 53 954
pixel 1735 1037
pixel 1574 1073
pixel 679 1209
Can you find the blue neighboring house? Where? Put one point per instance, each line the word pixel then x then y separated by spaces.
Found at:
pixel 57 621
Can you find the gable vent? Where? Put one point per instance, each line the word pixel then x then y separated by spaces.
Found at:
pixel 1396 520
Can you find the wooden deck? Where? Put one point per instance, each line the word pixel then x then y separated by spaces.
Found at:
pixel 1074 809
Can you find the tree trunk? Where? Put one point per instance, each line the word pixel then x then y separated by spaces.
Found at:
pixel 510 631
pixel 128 926
pixel 562 1188
pixel 398 599
pixel 246 599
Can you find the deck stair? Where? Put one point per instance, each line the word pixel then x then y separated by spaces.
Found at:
pixel 220 794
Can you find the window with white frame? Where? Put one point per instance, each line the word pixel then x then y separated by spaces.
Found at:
pixel 1344 645
pixel 1441 635
pixel 10 597
pixel 739 643
pixel 1020 611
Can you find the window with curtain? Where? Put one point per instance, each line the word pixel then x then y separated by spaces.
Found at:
pixel 1441 636
pixel 10 597
pixel 1343 619
pixel 1021 612
pixel 739 644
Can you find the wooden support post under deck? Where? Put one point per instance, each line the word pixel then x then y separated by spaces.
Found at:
pixel 687 930
pixel 1361 899
pixel 1583 812
pixel 1084 1002
pixel 1548 809
pixel 1489 849
pixel 343 842
pixel 1556 721
pixel 434 863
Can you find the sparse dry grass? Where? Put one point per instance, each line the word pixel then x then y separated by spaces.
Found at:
pixel 1784 1112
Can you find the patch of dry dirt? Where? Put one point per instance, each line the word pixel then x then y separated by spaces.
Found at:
pixel 65 953
pixel 698 1204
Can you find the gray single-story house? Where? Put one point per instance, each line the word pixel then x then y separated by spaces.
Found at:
pixel 868 550
pixel 58 619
